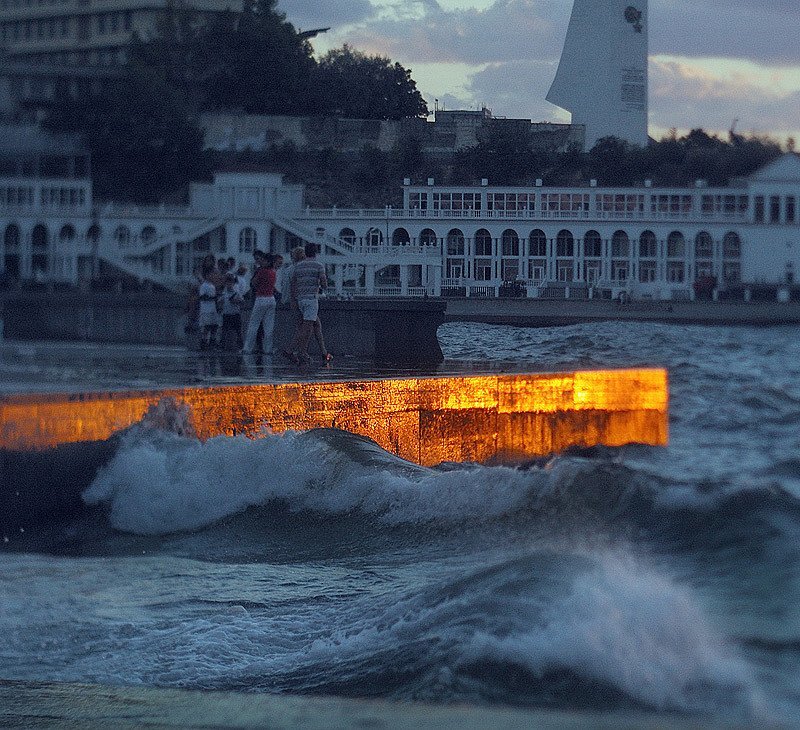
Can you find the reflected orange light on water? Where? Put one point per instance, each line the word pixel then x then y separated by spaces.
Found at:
pixel 425 420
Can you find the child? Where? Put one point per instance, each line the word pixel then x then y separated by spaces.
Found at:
pixel 231 336
pixel 207 318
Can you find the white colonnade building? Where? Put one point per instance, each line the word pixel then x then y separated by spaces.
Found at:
pixel 482 240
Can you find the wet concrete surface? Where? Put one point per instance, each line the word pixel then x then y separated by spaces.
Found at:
pixel 63 367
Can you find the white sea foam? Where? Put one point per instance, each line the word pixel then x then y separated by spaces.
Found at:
pixel 167 483
pixel 632 628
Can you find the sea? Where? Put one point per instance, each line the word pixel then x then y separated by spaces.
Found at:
pixel 638 579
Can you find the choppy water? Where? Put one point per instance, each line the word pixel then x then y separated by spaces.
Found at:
pixel 623 579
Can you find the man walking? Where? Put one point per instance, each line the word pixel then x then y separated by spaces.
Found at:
pixel 308 277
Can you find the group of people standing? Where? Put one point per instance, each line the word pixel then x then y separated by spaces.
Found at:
pixel 223 294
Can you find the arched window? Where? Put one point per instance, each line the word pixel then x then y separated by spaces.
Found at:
pixel 455 242
pixel 248 240
pixel 400 237
pixel 537 243
pixel 93 234
pixel 148 235
pixel 427 237
pixel 565 243
pixel 620 245
pixel 703 245
pixel 731 246
pixel 374 237
pixel 483 243
pixel 592 244
pixel 676 245
pixel 510 242
pixel 122 235
pixel 66 234
pixel 348 235
pixel 648 245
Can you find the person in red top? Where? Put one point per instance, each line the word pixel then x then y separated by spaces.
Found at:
pixel 263 286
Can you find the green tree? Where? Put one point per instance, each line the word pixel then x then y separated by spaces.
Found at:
pixel 355 85
pixel 142 136
pixel 256 62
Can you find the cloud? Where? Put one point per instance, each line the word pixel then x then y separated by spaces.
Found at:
pixel 765 32
pixel 509 30
pixel 308 14
pixel 684 96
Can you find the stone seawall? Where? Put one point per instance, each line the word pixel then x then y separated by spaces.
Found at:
pixel 51 445
pixel 393 331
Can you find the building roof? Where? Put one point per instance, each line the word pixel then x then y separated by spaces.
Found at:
pixel 785 169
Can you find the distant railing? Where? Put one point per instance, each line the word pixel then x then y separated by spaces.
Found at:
pixel 399 214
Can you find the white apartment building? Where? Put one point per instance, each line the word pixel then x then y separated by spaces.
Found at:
pixel 82 32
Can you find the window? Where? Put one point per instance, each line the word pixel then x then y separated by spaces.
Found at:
pixel 620 245
pixel 418 201
pixel 758 212
pixel 67 234
pixel 675 272
pixel 248 240
pixel 483 243
pixel 93 234
pixel 731 246
pixel 122 236
pixel 456 203
pixel 648 246
pixel 455 243
pixel 348 235
pixel 510 243
pixel 647 271
pixel 565 244
pixel 676 245
pixel 374 237
pixel 791 211
pixel 483 270
pixel 732 272
pixel 427 237
pixel 400 237
pixel 148 234
pixel 703 246
pixel 672 204
pixel 775 209
pixel 537 243
pixel 592 244
pixel 511 202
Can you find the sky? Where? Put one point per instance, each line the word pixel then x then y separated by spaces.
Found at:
pixel 713 63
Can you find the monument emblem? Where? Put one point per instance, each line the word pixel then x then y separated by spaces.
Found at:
pixel 634 17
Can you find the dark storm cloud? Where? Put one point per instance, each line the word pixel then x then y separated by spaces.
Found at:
pixel 307 14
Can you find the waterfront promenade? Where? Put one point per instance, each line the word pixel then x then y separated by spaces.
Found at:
pixel 555 312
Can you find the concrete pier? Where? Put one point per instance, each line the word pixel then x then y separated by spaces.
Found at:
pixel 52 444
pixel 392 331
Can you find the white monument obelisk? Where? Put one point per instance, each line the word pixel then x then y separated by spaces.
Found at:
pixel 602 75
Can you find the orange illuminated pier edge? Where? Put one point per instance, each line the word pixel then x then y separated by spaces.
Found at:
pixel 500 418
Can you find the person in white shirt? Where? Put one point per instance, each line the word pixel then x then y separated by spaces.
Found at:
pixel 208 319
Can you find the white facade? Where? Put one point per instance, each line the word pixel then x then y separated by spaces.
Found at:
pixel 602 75
pixel 474 241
